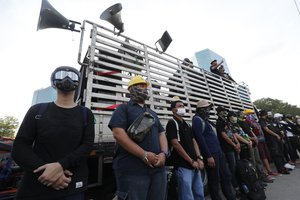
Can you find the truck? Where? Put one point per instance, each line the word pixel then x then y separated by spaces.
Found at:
pixel 112 59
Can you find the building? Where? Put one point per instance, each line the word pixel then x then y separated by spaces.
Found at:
pixel 203 59
pixel 44 95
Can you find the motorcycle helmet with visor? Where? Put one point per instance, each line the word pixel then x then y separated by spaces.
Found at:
pixel 65 78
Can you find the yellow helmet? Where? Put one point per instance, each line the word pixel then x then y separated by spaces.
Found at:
pixel 248 111
pixel 137 80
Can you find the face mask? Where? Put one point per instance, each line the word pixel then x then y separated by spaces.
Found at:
pixel 223 114
pixel 233 119
pixel 138 94
pixel 66 84
pixel 181 111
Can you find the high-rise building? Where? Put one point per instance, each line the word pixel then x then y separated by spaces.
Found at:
pixel 44 95
pixel 203 59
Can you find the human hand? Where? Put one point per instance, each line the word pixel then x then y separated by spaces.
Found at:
pixel 211 162
pixel 150 159
pixel 161 160
pixel 200 164
pixel 63 181
pixel 51 173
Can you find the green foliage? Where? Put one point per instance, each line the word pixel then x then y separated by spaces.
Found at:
pixel 277 106
pixel 8 126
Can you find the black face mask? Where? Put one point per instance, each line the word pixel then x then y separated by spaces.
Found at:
pixel 66 84
pixel 204 113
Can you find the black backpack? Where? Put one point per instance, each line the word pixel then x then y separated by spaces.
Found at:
pixel 248 178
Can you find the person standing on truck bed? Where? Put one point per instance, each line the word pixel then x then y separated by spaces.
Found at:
pixel 138 166
pixel 53 143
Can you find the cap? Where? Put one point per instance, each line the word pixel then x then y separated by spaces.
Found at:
pixel 231 113
pixel 263 113
pixel 173 104
pixel 213 61
pixel 221 108
pixel 202 103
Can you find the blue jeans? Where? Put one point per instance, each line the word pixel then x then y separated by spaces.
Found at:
pixel 190 185
pixel 141 187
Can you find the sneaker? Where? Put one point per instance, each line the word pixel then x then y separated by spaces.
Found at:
pixel 289 166
pixel 284 171
pixel 271 177
pixel 273 174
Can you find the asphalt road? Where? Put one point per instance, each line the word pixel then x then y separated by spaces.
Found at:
pixel 285 187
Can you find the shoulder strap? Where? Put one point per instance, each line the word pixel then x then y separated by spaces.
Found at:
pixel 42 109
pixel 177 129
pixel 202 122
pixel 85 115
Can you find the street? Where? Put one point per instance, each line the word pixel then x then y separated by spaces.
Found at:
pixel 285 187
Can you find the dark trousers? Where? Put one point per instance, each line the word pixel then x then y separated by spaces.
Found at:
pixel 276 151
pixel 213 175
pixel 226 179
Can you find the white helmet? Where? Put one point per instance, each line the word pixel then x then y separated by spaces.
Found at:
pixel 278 115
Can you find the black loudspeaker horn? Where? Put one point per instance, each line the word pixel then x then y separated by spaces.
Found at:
pixel 51 18
pixel 113 16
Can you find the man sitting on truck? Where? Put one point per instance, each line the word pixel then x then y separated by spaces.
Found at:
pixel 138 166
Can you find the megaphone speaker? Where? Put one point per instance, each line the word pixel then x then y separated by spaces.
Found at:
pixel 51 18
pixel 113 16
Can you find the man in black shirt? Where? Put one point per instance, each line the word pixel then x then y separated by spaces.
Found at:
pixel 186 155
pixel 52 146
pixel 273 141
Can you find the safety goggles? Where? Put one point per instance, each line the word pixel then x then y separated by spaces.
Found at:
pixel 63 74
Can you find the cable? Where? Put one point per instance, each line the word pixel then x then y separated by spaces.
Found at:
pixel 297 6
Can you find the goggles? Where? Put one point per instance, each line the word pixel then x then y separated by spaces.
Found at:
pixel 63 74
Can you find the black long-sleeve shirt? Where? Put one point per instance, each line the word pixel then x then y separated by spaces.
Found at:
pixel 60 135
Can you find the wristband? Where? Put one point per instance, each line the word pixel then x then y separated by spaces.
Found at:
pixel 145 159
pixel 166 153
pixel 200 157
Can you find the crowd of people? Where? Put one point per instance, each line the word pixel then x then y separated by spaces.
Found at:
pixel 55 139
pixel 189 148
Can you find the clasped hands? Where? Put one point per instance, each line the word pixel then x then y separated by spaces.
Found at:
pixel 54 176
pixel 155 160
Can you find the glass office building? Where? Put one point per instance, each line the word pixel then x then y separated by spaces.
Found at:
pixel 44 95
pixel 203 59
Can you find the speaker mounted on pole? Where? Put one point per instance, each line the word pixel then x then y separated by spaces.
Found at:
pixel 50 18
pixel 113 16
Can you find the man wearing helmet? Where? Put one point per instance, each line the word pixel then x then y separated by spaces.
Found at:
pixel 52 145
pixel 138 166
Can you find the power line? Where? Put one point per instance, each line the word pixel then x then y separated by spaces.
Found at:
pixel 297 6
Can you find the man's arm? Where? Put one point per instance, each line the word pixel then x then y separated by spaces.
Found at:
pixel 124 140
pixel 164 150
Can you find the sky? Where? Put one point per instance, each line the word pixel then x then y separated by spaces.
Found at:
pixel 260 41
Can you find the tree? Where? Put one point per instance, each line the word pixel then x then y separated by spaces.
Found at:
pixel 277 106
pixel 8 126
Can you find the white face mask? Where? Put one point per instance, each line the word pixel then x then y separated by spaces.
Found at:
pixel 181 111
pixel 234 120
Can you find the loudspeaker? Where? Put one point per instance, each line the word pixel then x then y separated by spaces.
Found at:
pixel 164 41
pixel 51 18
pixel 113 16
